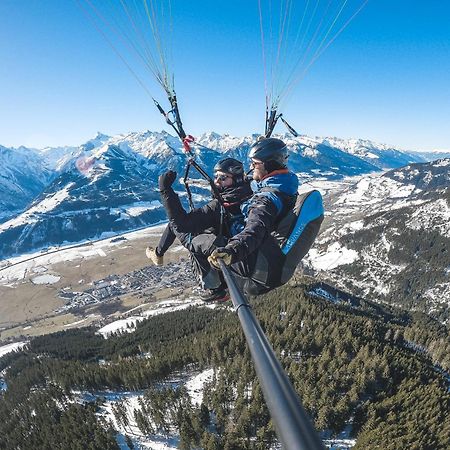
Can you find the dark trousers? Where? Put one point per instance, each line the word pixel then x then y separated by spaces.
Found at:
pixel 166 240
pixel 260 272
pixel 200 247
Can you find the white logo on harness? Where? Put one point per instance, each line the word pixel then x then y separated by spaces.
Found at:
pixel 293 237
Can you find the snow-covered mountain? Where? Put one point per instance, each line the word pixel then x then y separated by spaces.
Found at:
pixel 23 176
pixel 388 237
pixel 109 184
pixel 380 155
pixel 432 155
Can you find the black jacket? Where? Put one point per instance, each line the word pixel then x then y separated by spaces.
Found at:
pixel 209 215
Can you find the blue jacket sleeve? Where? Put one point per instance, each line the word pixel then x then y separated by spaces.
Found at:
pixel 260 223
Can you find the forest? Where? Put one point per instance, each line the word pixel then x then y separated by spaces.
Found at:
pixel 381 370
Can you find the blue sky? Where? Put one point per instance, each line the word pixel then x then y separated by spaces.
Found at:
pixel 385 78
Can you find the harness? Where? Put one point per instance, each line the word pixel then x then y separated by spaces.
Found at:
pixel 283 201
pixel 173 118
pixel 298 221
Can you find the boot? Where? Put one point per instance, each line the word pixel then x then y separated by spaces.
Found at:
pixel 154 257
pixel 218 295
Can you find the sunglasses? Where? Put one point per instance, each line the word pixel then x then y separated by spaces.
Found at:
pixel 221 177
pixel 254 163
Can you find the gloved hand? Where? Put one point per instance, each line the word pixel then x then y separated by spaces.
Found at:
pixel 223 253
pixel 166 180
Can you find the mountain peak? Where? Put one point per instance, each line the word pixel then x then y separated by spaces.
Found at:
pixel 101 136
pixel 87 190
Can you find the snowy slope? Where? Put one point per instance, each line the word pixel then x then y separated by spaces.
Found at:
pixel 5 349
pixel 109 184
pixel 388 237
pixel 106 190
pixel 380 155
pixel 23 175
pixel 432 155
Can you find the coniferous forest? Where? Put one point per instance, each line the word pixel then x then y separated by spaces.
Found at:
pixel 382 371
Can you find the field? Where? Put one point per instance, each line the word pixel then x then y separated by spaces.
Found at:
pixel 30 285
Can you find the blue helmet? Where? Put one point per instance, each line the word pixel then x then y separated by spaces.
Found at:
pixel 270 149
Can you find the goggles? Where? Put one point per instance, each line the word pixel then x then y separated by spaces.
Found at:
pixel 221 177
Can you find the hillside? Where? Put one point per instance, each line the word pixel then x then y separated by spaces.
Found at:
pixel 357 367
pixel 387 238
pixel 24 176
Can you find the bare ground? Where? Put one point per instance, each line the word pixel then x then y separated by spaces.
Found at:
pixel 29 309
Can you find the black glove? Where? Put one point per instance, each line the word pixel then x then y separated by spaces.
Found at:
pixel 166 180
pixel 223 253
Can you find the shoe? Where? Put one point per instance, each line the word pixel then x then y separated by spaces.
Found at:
pixel 151 254
pixel 215 295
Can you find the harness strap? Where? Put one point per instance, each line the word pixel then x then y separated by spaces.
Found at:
pixel 187 187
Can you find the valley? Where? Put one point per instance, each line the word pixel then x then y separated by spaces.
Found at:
pixel 116 345
pixel 35 293
pixel 96 282
pixel 52 290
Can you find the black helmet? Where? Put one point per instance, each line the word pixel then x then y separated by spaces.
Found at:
pixel 231 166
pixel 270 149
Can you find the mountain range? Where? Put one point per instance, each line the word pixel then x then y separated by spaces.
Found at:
pixel 108 185
pixel 387 237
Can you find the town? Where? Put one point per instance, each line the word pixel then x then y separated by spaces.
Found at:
pixel 143 282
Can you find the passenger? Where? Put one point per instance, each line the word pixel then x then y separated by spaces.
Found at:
pixel 206 228
pixel 254 254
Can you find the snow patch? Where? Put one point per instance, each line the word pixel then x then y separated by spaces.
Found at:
pixel 356 226
pixel 120 326
pixel 75 323
pixel 375 189
pixel 47 204
pixel 138 208
pixel 129 324
pixel 5 349
pixel 431 216
pixel 195 385
pixel 335 256
pixel 439 294
pixel 311 152
pixel 322 293
pixel 45 279
pixel 442 163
